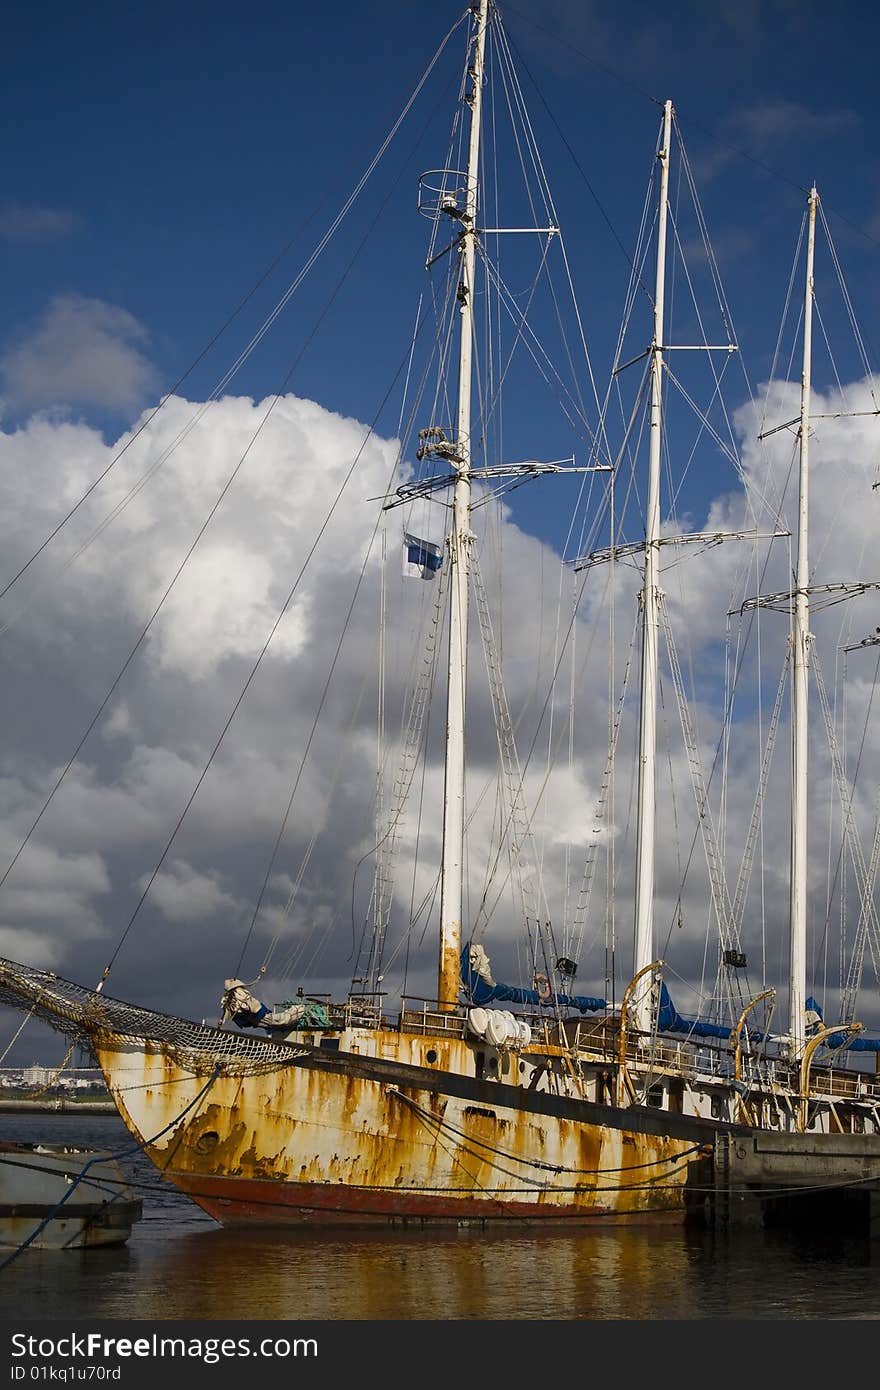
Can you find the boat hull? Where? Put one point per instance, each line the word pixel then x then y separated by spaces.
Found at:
pixel 247 1202
pixel 54 1197
pixel 369 1123
pixel 346 1138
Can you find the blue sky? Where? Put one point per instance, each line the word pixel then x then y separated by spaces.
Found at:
pixel 162 156
pixel 162 160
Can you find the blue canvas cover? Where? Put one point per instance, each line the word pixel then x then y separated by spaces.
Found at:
pixel 855 1044
pixel 480 992
pixel 669 1020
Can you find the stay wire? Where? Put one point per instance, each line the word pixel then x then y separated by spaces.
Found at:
pixel 577 164
pixel 167 395
pixel 325 523
pixel 280 305
pixel 437 346
pixel 146 629
pixel 225 489
pixel 549 202
pixel 406 365
pixel 706 130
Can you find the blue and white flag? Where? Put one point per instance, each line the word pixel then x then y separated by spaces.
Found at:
pixel 421 559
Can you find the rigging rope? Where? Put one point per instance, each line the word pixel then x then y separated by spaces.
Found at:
pixel 869 926
pixel 250 347
pixel 225 489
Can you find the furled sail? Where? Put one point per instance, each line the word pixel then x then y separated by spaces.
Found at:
pixel 669 1020
pixel 843 1039
pixel 481 989
pixel 246 1011
pixel 244 1008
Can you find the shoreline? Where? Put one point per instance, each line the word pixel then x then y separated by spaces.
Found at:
pixel 58 1106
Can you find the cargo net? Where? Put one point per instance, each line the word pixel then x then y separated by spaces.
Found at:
pixel 85 1015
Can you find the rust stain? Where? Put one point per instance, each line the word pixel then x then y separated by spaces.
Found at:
pixel 298 1129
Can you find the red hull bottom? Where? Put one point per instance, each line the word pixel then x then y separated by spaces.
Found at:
pixel 261 1202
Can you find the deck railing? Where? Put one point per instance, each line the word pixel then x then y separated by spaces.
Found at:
pixel 597 1040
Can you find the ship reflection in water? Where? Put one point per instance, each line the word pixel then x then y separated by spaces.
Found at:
pixel 179 1264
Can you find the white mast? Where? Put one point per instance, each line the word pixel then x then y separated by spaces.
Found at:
pixel 644 897
pixel 452 875
pixel 801 641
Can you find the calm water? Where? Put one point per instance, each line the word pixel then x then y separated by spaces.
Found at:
pixel 179 1263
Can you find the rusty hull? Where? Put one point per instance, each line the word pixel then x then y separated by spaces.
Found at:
pixel 373 1134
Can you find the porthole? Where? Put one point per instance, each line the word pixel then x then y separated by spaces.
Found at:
pixel 207 1142
pixel 431 1056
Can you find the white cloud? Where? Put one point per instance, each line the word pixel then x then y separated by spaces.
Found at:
pixel 36 948
pixel 75 886
pixel 82 352
pixel 183 895
pixel 32 223
pixel 52 905
pixel 764 127
pixel 773 122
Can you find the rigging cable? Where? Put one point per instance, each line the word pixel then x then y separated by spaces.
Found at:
pixel 167 395
pixel 569 48
pixel 253 671
pixel 276 311
pixel 225 489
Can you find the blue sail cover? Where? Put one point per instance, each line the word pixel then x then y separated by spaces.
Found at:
pixel 855 1044
pixel 669 1020
pixel 481 992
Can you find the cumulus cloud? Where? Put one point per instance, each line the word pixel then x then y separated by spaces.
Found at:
pixel 82 352
pixel 53 905
pixel 299 742
pixel 183 895
pixel 72 625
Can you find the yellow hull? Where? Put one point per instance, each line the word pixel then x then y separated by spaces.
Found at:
pixel 349 1137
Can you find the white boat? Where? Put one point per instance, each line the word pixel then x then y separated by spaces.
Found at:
pixel 59 1197
pixel 535 1101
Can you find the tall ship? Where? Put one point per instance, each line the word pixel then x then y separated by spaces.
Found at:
pixel 510 1092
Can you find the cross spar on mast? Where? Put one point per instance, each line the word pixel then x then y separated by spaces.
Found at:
pixel 801 641
pixel 650 599
pixel 452 867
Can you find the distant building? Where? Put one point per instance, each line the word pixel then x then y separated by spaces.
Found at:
pixel 37 1075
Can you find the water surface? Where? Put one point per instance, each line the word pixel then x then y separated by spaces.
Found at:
pixel 179 1263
